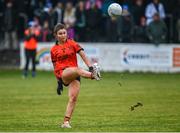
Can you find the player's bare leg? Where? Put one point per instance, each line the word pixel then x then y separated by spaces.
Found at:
pixel 71 73
pixel 69 76
pixel 74 88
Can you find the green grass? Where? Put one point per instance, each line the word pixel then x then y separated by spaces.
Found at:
pixel 32 104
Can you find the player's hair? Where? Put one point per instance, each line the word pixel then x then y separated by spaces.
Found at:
pixel 57 27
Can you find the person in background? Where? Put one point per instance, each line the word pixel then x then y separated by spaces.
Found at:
pixel 138 10
pixel 46 34
pixel 176 15
pixel 30 46
pixel 154 7
pixel 69 19
pixel 98 4
pixel 1 25
pixel 10 26
pixel 48 15
pixel 80 25
pixel 125 26
pixel 112 29
pixel 157 30
pixel 140 35
pixel 94 21
pixel 58 13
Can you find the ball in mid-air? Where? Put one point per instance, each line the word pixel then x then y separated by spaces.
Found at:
pixel 114 9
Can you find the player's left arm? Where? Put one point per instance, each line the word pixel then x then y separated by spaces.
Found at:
pixel 84 58
pixel 81 52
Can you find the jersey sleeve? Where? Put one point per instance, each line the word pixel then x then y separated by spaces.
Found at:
pixel 76 46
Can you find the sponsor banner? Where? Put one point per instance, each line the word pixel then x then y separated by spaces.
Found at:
pixel 149 56
pixel 117 57
pixel 104 54
pixel 176 57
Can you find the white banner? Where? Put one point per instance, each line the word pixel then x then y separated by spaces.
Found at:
pixel 146 56
pixel 118 57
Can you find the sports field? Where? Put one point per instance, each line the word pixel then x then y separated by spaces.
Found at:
pixel 103 106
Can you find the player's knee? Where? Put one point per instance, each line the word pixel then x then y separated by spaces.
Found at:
pixel 79 71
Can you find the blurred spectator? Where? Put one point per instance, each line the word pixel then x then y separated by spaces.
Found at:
pixel 112 29
pixel 1 24
pixel 74 2
pixel 32 5
pixel 46 33
pixel 58 13
pixel 20 7
pixel 169 5
pixel 157 30
pixel 125 26
pixel 88 4
pixel 30 45
pixel 80 25
pixel 9 25
pixel 93 19
pixel 178 29
pixel 22 24
pixel 176 15
pixel 140 35
pixel 69 19
pixel 36 23
pixel 154 7
pixel 48 15
pixel 138 11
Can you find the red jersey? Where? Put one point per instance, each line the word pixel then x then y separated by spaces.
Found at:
pixel 31 44
pixel 31 40
pixel 64 56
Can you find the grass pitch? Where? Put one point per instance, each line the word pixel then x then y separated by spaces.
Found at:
pixel 32 104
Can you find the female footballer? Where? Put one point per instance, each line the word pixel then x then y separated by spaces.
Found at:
pixel 67 72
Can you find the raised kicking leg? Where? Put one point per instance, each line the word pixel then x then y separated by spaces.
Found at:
pixel 71 73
